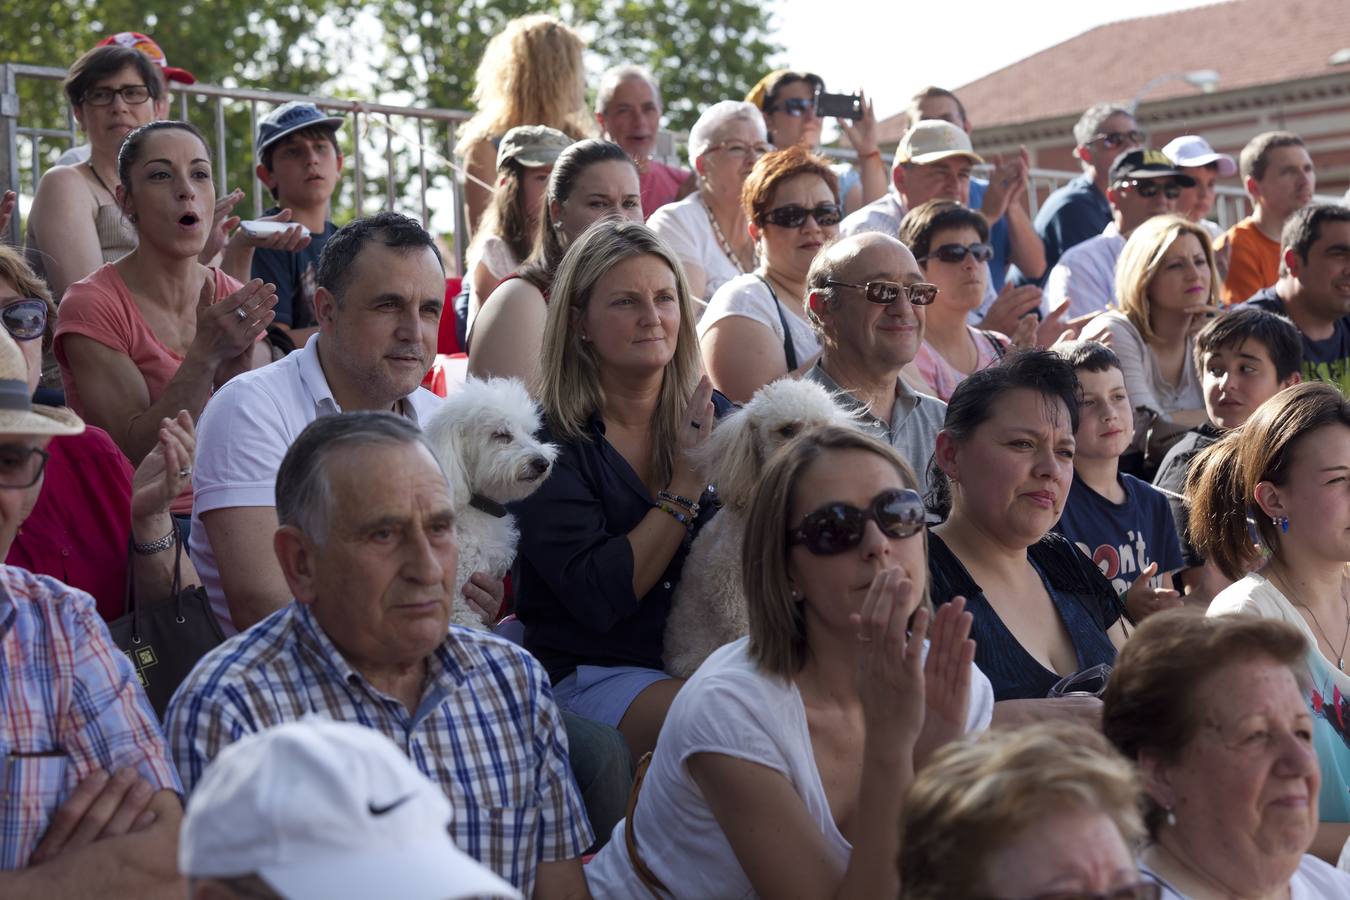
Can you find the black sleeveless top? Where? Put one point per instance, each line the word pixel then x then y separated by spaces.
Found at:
pixel 1086 603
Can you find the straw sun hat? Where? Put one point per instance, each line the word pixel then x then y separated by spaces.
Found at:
pixel 18 413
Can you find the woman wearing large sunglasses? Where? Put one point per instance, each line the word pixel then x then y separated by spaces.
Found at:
pixel 951 244
pixel 1000 475
pixel 755 328
pixel 85 500
pixel 76 224
pixel 1045 812
pixel 782 764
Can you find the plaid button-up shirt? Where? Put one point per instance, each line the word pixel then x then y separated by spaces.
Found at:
pixel 486 729
pixel 70 705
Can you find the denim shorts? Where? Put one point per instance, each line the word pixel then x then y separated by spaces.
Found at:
pixel 604 693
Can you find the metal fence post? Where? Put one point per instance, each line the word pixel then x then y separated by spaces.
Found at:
pixel 9 145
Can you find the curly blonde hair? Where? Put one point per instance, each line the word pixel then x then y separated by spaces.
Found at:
pixel 531 73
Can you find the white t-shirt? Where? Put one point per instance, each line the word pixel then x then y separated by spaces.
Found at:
pixel 730 707
pixel 746 295
pixel 497 257
pixel 1314 880
pixel 242 436
pixel 684 226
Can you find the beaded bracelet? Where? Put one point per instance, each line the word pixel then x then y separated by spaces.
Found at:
pixel 688 504
pixel 157 546
pixel 680 517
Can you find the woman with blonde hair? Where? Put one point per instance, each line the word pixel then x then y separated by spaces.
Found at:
pixel 531 73
pixel 782 765
pixel 1286 469
pixel 1166 288
pixel 603 541
pixel 1048 810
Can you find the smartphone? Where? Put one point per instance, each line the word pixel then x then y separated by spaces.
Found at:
pixel 258 228
pixel 841 106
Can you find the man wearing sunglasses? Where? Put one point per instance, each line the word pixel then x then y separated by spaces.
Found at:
pixel 1080 210
pixel 865 299
pixel 1143 184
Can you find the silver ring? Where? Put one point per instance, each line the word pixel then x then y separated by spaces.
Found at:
pixel 243 316
pixel 185 471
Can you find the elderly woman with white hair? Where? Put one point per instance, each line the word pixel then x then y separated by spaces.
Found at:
pixel 628 108
pixel 708 229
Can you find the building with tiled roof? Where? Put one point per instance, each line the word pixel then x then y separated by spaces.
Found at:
pixel 1281 64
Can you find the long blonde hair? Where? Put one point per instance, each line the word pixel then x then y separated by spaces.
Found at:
pixel 531 73
pixel 568 385
pixel 1139 262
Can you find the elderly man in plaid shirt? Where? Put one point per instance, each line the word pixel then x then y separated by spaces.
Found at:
pixel 366 542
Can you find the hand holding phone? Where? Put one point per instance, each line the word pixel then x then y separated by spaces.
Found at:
pixel 840 106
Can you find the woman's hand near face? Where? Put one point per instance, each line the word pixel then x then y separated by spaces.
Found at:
pixel 166 470
pixel 224 336
pixel 946 675
pixel 890 668
pixel 697 424
pixel 222 223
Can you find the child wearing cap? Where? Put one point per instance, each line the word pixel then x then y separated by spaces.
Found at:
pixel 300 162
pixel 1121 523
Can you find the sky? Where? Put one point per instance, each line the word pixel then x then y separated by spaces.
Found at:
pixel 933 43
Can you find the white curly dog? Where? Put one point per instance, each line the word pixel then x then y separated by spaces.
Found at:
pixel 708 609
pixel 484 437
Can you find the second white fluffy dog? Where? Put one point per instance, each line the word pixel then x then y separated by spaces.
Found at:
pixel 708 609
pixel 484 436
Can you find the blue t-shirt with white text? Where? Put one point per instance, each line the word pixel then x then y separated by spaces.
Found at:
pixel 1121 539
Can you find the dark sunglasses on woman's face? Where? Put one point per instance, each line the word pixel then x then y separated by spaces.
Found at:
pixel 26 319
pixel 955 253
pixel 920 293
pixel 795 106
pixel 1150 188
pixel 837 527
pixel 794 216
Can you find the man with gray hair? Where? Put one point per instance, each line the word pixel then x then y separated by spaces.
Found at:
pixel 366 544
pixel 628 108
pixel 1080 210
pixel 865 299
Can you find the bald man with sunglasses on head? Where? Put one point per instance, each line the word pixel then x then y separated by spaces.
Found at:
pixel 1143 184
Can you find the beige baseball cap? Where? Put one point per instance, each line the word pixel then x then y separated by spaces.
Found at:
pixel 932 140
pixel 532 146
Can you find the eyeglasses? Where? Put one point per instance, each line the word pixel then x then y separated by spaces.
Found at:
pixel 26 319
pixel 1117 138
pixel 1144 890
pixel 740 150
pixel 1089 682
pixel 795 106
pixel 20 465
pixel 955 253
pixel 837 527
pixel 132 94
pixel 826 214
pixel 1148 187
pixel 921 293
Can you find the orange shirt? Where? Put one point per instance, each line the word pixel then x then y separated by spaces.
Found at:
pixel 1253 264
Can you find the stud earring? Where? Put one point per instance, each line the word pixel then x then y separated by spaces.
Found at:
pixel 1171 818
pixel 1282 522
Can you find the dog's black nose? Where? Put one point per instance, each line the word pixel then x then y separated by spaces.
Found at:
pixel 539 464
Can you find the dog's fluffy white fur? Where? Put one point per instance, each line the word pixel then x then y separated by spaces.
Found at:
pixel 484 437
pixel 709 608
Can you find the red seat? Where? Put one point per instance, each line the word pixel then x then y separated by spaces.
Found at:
pixel 446 341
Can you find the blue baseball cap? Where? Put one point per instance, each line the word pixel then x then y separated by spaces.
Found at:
pixel 289 118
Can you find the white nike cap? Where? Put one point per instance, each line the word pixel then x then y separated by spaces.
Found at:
pixel 331 810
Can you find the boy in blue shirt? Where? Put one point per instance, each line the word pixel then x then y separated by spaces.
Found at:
pixel 1122 524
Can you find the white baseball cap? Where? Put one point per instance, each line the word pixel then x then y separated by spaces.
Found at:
pixel 931 140
pixel 1193 150
pixel 331 810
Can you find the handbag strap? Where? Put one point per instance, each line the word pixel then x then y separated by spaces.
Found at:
pixel 648 878
pixel 999 351
pixel 789 352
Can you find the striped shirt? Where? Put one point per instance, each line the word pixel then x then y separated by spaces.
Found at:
pixel 486 729
pixel 70 705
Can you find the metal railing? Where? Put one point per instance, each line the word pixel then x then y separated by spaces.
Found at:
pixel 430 132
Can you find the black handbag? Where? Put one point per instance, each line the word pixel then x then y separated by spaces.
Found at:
pixel 165 640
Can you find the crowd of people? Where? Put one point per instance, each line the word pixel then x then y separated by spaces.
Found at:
pixel 1058 608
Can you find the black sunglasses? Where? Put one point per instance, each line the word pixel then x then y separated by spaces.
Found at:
pixel 1116 138
pixel 826 214
pixel 955 253
pixel 1147 188
pixel 837 527
pixel 26 319
pixel 921 293
pixel 795 106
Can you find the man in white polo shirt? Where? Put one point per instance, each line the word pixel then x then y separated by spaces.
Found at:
pixel 1143 184
pixel 381 287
